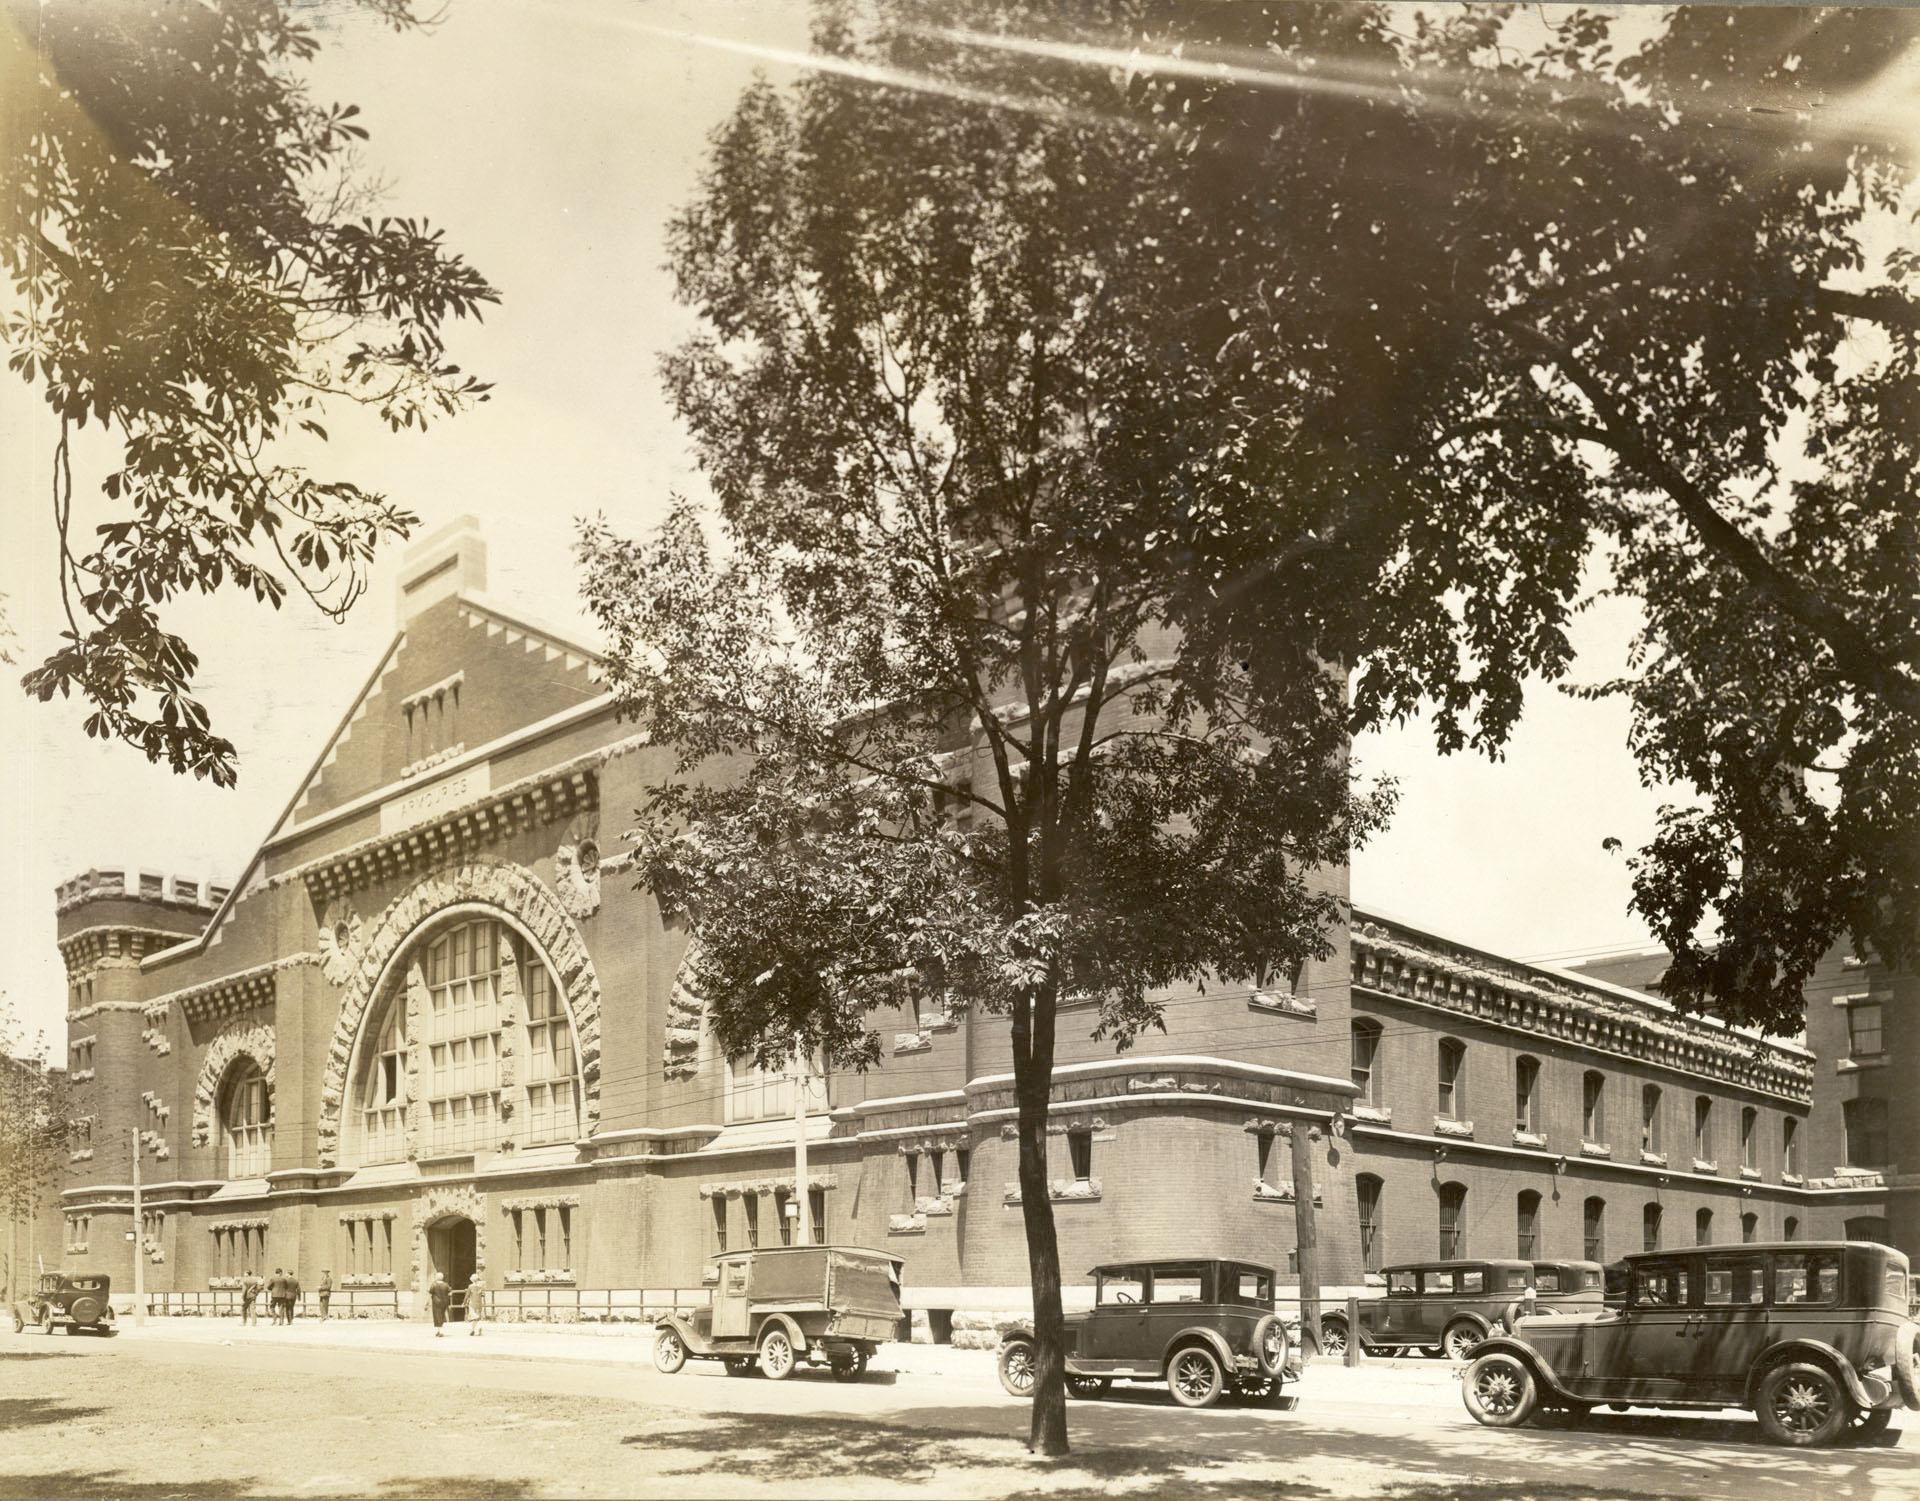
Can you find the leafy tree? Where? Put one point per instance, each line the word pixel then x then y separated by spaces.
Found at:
pixel 194 267
pixel 930 728
pixel 34 1129
pixel 1472 300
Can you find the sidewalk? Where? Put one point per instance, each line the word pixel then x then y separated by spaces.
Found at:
pixel 1384 1383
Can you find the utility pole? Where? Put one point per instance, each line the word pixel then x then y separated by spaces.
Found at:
pixel 139 1244
pixel 803 1220
pixel 1306 1237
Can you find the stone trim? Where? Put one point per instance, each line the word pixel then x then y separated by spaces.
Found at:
pixel 1446 1125
pixel 447 1202
pixel 1283 1005
pixel 680 1053
pixel 235 1040
pixel 544 1201
pixel 487 882
pixel 1595 1149
pixel 241 991
pixel 742 1187
pixel 1396 965
pixel 575 877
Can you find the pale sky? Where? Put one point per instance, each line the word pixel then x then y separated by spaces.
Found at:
pixel 552 139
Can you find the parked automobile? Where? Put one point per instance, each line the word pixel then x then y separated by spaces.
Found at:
pixel 783 1306
pixel 1202 1326
pixel 1815 1337
pixel 79 1302
pixel 1450 1306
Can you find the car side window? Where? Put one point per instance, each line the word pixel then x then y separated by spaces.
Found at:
pixel 1661 1285
pixel 1474 1281
pixel 1729 1282
pixel 1251 1287
pixel 1126 1286
pixel 1400 1284
pixel 1546 1279
pixel 1178 1284
pixel 1436 1282
pixel 1513 1280
pixel 1806 1278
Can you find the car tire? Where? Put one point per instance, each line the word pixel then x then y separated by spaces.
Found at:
pixel 1194 1376
pixel 1500 1390
pixel 46 1322
pixel 1088 1388
pixel 1906 1373
pixel 1271 1332
pixel 1460 1341
pixel 1562 1414
pixel 1333 1336
pixel 1802 1405
pixel 1868 1424
pixel 669 1352
pixel 1019 1367
pixel 776 1354
pixel 850 1367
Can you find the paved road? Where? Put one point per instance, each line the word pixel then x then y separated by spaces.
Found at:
pixel 389 1411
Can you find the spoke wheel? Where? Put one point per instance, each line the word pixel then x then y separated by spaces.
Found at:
pixel 669 1352
pixel 1500 1391
pixel 46 1322
pixel 1802 1405
pixel 1017 1368
pixel 1460 1342
pixel 1194 1377
pixel 1088 1387
pixel 1333 1337
pixel 739 1365
pixel 776 1355
pixel 850 1367
pixel 1868 1424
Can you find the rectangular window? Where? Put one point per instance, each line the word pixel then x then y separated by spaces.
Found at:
pixel 1703 1128
pixel 1593 1230
pixel 1473 1281
pixel 1263 1156
pixel 1178 1284
pixel 1080 1150
pixel 1366 1053
pixel 1120 1286
pixel 913 1180
pixel 751 1204
pixel 1863 1030
pixel 962 1160
pixel 1650 1228
pixel 518 1216
pixel 817 1210
pixel 1650 1133
pixel 564 1215
pixel 1370 1249
pixel 1866 1129
pixel 1401 1285
pixel 1527 1232
pixel 1660 1284
pixel 781 1199
pixel 719 1223
pixel 1437 1282
pixel 1790 1146
pixel 1452 1063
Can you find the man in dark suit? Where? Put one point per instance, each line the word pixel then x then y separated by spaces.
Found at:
pixel 440 1294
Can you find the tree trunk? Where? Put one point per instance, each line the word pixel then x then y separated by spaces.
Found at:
pixel 1307 1240
pixel 1033 1087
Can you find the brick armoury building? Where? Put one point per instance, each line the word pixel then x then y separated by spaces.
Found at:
pixel 434 1026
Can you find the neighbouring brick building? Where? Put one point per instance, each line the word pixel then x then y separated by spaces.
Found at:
pixel 434 1025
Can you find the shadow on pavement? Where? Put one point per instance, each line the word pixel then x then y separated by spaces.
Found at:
pixel 111 1483
pixel 27 1412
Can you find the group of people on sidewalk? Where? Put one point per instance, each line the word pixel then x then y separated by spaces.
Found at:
pixel 283 1295
pixel 440 1297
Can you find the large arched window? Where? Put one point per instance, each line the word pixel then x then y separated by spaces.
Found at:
pixel 479 993
pixel 246 1120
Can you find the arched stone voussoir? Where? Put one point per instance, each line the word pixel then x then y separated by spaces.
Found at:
pixel 238 1039
pixel 489 882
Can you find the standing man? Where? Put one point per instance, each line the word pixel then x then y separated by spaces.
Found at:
pixel 277 1295
pixel 250 1286
pixel 326 1292
pixel 440 1295
pixel 293 1296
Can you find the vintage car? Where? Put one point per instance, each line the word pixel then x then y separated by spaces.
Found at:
pixel 1450 1306
pixel 1815 1337
pixel 79 1302
pixel 1204 1327
pixel 783 1306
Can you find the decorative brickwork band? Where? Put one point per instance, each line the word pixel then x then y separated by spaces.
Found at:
pixel 235 1040
pixel 507 888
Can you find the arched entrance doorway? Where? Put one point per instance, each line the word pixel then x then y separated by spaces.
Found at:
pixel 452 1245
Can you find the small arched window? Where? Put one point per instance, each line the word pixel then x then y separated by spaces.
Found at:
pixel 1368 1187
pixel 1703 1227
pixel 1749 1228
pixel 1650 1228
pixel 246 1121
pixel 1527 1238
pixel 1366 1060
pixel 1593 1229
pixel 1790 1227
pixel 1453 1221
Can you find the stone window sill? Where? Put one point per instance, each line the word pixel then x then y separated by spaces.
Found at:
pixel 1379 1114
pixel 1794 1179
pixel 906 1224
pixel 1595 1149
pixel 1277 1193
pixel 1446 1125
pixel 1529 1138
pixel 1860 1065
pixel 80 1076
pixel 1751 1174
pixel 1282 1005
pixel 1703 1165
pixel 912 1042
pixel 1061 1191
pixel 1654 1159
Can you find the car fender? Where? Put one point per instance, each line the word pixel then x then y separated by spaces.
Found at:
pixel 1511 1344
pixel 1468 1316
pixel 795 1335
pixel 1211 1338
pixel 1822 1354
pixel 691 1337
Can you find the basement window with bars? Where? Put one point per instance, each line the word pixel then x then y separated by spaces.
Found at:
pixel 542 1237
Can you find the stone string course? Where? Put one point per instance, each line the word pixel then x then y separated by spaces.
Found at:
pixel 489 882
